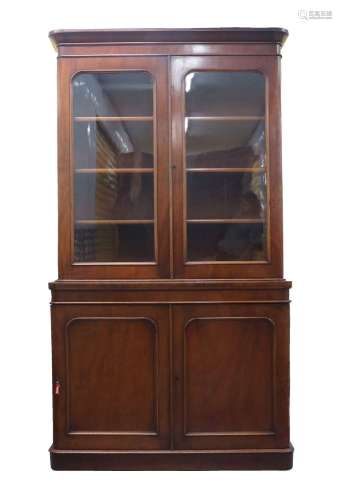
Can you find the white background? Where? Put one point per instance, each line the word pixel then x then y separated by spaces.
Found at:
pixel 312 151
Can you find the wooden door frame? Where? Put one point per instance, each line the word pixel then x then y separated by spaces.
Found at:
pixel 67 69
pixel 270 67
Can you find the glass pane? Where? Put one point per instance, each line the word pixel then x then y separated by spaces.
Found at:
pixel 113 130
pixel 114 195
pixel 121 93
pixel 225 143
pixel 222 242
pixel 226 195
pixel 113 242
pixel 226 166
pixel 119 144
pixel 240 93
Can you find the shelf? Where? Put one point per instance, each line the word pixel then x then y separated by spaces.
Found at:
pixel 151 170
pixel 225 221
pixel 114 170
pixel 113 221
pixel 226 169
pixel 113 118
pixel 226 118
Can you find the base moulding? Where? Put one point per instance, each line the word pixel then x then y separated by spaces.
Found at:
pixel 266 459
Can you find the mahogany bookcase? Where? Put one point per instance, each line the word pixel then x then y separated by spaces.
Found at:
pixel 170 315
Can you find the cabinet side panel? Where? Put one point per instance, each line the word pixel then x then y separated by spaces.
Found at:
pixel 65 209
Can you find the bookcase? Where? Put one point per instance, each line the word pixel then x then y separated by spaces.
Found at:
pixel 170 314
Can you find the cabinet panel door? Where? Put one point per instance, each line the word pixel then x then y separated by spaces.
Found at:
pixel 111 377
pixel 227 176
pixel 231 376
pixel 114 167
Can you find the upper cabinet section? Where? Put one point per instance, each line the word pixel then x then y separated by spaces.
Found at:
pixel 170 154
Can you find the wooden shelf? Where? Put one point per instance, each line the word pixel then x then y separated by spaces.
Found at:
pixel 226 118
pixel 225 221
pixel 113 221
pixel 113 118
pixel 114 170
pixel 226 169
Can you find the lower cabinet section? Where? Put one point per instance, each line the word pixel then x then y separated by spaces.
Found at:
pixel 184 380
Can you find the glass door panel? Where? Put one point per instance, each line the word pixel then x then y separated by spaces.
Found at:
pixel 225 164
pixel 114 167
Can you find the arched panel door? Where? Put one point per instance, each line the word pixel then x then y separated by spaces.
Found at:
pixel 111 377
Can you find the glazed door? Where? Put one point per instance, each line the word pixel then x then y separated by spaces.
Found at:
pixel 226 176
pixel 113 165
pixel 231 376
pixel 111 377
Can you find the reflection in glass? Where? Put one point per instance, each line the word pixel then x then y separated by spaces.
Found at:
pixel 118 93
pixel 104 144
pixel 113 167
pixel 225 162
